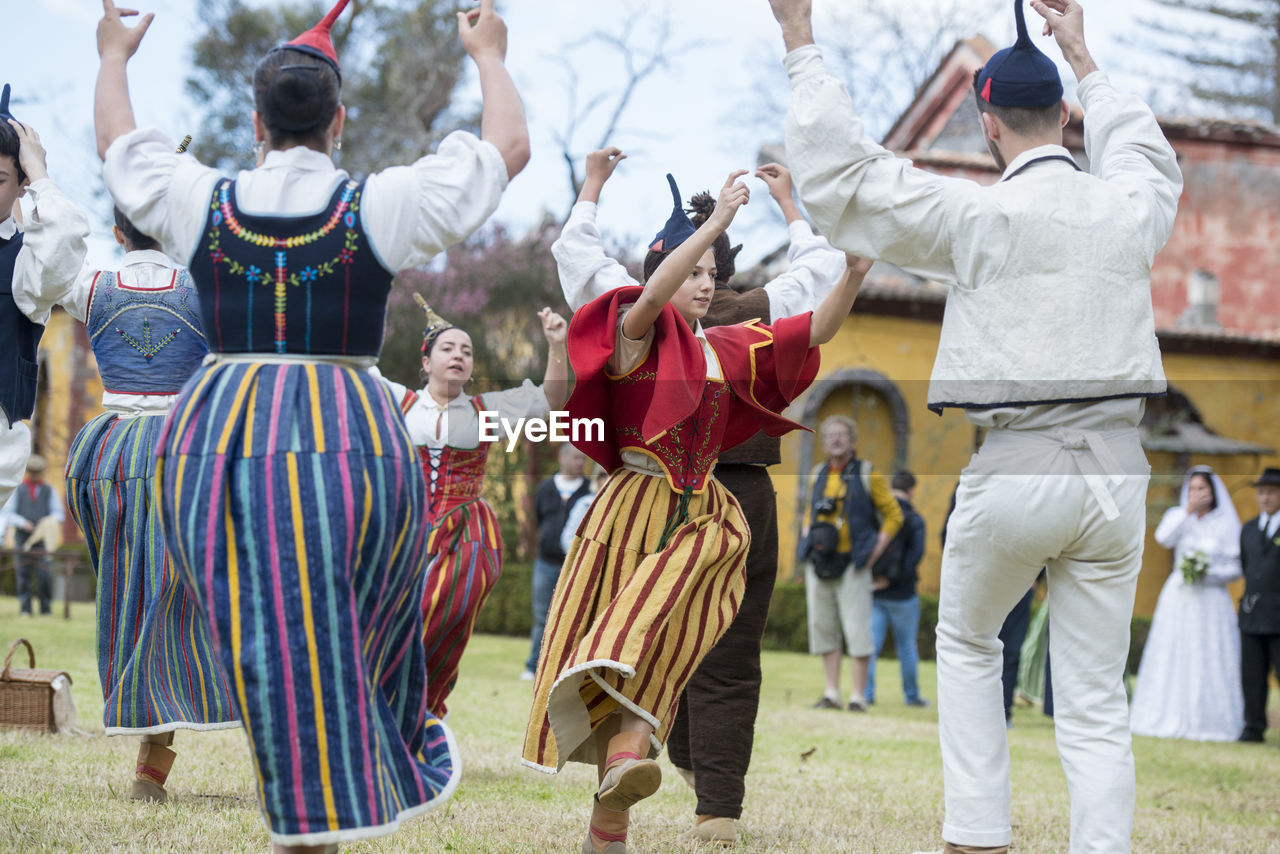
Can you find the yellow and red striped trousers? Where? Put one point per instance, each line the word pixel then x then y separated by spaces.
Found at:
pixel 629 623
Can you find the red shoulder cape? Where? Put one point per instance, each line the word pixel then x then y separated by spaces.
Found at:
pixel 766 366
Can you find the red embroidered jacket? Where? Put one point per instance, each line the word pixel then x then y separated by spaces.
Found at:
pixel 666 408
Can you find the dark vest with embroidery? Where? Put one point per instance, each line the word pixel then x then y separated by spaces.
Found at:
pixel 19 340
pixel 306 285
pixel 146 340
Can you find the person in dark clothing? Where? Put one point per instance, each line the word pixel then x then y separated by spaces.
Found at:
pixel 552 501
pixel 1260 605
pixel 33 501
pixel 894 601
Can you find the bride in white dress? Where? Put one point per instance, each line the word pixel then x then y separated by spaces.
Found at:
pixel 1189 679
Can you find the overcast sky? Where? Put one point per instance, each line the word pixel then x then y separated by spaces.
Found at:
pixel 677 122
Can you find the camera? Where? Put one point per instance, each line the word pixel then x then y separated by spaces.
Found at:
pixel 824 506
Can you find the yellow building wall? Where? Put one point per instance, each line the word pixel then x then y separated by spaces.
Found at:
pixel 69 394
pixel 1237 397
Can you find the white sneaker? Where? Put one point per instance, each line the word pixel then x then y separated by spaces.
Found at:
pixel 527 676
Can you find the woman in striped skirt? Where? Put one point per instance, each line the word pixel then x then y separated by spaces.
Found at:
pixel 157 668
pixel 464 548
pixel 289 488
pixel 655 573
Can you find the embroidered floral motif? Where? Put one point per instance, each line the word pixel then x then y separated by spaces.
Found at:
pixel 146 347
pixel 281 277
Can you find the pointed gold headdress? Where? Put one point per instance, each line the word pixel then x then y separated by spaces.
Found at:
pixel 435 323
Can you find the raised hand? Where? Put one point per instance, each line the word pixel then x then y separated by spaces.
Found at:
pixel 31 157
pixel 796 19
pixel 116 40
pixel 1064 19
pixel 483 32
pixel 733 195
pixel 600 164
pixel 554 327
pixel 778 178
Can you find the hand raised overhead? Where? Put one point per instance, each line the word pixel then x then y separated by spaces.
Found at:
pixel 554 327
pixel 483 32
pixel 116 40
pixel 601 163
pixel 733 195
pixel 31 156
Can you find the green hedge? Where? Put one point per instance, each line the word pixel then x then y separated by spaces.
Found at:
pixel 509 612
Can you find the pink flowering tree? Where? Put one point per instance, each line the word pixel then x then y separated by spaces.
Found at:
pixel 492 286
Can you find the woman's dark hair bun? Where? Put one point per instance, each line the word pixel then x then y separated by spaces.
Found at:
pixel 701 206
pixel 295 99
pixel 295 93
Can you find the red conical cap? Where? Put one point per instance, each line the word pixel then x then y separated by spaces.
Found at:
pixel 317 41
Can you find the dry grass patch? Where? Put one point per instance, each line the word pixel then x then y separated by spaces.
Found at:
pixel 872 783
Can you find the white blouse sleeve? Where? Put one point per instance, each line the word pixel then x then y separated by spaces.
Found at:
pixel 1169 531
pixel 814 268
pixel 526 400
pixel 414 212
pixel 628 353
pixel 51 261
pixel 586 272
pixel 1224 558
pixel 165 194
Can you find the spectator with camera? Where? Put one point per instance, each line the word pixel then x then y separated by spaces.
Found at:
pixel 853 518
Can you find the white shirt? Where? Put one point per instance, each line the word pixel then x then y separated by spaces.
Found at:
pixel 586 272
pixel 53 249
pixel 409 213
pixel 566 485
pixel 1048 248
pixel 459 424
pixel 1269 525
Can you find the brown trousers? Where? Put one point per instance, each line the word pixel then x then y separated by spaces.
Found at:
pixel 716 718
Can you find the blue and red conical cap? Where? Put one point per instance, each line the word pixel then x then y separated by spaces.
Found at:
pixel 1020 76
pixel 679 227
pixel 318 41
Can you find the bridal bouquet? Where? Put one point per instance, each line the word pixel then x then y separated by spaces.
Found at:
pixel 1193 566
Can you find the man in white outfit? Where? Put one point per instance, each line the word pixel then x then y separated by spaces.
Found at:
pixel 1049 342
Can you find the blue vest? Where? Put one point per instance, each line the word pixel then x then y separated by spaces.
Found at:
pixel 19 340
pixel 859 511
pixel 308 285
pixel 146 341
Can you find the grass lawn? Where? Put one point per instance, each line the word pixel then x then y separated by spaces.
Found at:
pixel 820 781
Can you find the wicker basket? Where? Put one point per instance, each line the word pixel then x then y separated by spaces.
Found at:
pixel 26 694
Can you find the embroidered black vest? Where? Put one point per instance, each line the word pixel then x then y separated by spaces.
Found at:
pixel 308 285
pixel 19 340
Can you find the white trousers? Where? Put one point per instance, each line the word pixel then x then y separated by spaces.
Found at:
pixel 1031 499
pixel 15 448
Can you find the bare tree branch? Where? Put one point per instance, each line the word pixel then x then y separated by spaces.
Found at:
pixel 642 52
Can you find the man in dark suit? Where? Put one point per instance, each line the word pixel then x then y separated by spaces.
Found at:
pixel 1260 605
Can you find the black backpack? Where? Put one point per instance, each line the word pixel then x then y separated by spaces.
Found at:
pixel 828 563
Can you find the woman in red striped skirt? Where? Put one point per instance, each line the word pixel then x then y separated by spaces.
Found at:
pixel 464 548
pixel 657 569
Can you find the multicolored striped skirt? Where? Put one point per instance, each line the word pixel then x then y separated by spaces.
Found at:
pixel 628 623
pixel 293 502
pixel 157 667
pixel 464 560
